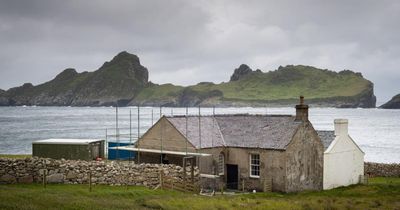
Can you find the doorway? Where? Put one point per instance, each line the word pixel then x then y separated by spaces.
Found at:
pixel 232 176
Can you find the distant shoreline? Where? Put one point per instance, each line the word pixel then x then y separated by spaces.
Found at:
pixel 146 106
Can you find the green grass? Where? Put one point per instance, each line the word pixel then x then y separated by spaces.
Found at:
pixel 380 193
pixel 15 156
pixel 159 92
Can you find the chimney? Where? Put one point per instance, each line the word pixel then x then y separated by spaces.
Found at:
pixel 341 127
pixel 302 110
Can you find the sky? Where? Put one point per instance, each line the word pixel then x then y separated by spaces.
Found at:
pixel 185 42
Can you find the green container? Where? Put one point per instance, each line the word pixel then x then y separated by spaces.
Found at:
pixel 71 149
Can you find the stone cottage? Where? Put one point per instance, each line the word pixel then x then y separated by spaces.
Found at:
pixel 251 152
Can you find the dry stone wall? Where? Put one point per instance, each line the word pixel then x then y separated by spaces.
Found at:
pixel 382 169
pixel 77 172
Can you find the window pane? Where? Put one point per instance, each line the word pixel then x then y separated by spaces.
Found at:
pixel 255 164
pixel 221 164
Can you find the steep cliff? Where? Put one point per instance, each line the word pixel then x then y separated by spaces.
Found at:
pixel 394 103
pixel 3 98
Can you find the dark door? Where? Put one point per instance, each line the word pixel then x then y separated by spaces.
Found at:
pixel 232 176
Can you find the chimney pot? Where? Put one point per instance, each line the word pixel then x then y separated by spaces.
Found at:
pixel 341 127
pixel 302 110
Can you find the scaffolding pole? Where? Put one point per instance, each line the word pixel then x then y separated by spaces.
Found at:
pixel 198 159
pixel 138 131
pixel 161 139
pixel 152 121
pixel 186 129
pixel 116 129
pixel 130 133
pixel 199 127
pixel 212 145
pixel 106 146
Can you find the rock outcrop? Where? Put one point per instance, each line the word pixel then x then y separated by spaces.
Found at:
pixel 240 72
pixel 394 103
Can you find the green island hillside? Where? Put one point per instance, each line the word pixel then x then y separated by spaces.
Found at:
pixel 280 87
pixel 118 80
pixel 394 103
pixel 124 81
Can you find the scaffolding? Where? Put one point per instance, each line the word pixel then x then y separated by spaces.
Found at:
pixel 124 139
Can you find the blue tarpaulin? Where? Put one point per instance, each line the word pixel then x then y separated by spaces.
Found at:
pixel 114 154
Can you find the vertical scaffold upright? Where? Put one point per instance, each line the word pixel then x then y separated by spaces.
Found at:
pixel 138 132
pixel 117 130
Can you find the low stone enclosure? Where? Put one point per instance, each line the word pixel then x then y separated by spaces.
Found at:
pixel 382 169
pixel 28 170
pixel 119 173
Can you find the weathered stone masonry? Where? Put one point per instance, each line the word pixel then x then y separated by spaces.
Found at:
pixel 382 169
pixel 77 172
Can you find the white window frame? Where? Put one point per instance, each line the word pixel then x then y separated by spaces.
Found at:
pixel 256 165
pixel 221 164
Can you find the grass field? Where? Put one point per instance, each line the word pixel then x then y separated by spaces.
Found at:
pixel 380 193
pixel 15 156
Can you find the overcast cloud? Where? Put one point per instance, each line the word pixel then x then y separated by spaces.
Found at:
pixel 186 42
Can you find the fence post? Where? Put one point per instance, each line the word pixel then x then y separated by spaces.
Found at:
pixel 191 170
pixel 184 170
pixel 161 179
pixel 90 180
pixel 44 177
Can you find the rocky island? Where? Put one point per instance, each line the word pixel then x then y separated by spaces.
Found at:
pixel 124 81
pixel 394 103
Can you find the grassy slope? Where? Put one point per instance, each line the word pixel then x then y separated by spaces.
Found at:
pixel 290 82
pixel 286 83
pixel 159 92
pixel 381 193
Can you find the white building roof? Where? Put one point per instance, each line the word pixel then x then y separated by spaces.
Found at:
pixel 67 141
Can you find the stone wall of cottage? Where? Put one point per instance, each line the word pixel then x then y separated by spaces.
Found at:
pixel 77 172
pixel 382 169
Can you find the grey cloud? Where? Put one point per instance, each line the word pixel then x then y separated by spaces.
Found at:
pixel 185 42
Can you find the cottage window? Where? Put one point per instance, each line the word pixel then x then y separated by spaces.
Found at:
pixel 221 164
pixel 255 165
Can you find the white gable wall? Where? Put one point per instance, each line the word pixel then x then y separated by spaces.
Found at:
pixel 343 160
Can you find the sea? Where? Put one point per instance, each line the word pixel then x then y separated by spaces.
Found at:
pixel 376 131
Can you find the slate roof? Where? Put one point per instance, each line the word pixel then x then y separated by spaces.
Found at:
pixel 326 137
pixel 249 131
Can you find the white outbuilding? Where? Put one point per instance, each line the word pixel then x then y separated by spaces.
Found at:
pixel 343 158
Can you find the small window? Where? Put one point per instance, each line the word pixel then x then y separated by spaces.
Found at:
pixel 221 164
pixel 255 165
